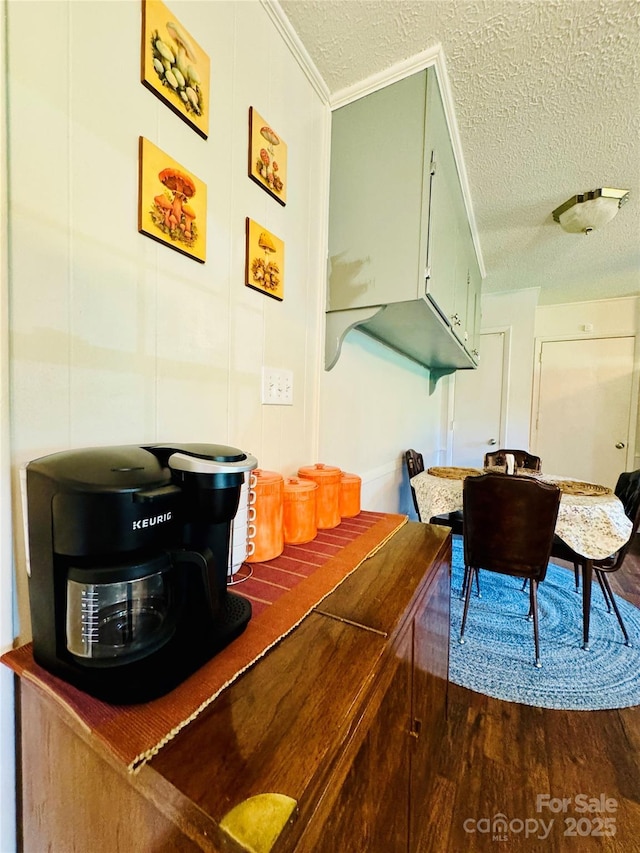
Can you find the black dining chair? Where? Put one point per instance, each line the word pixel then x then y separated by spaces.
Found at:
pixel 523 459
pixel 628 490
pixel 415 465
pixel 414 462
pixel 508 528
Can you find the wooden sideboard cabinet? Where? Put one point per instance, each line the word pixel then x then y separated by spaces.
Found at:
pixel 344 716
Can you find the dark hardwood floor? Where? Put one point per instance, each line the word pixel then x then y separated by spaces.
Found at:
pixel 499 758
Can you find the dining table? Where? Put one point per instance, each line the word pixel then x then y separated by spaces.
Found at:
pixel 591 518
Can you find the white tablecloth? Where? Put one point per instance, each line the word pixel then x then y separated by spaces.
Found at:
pixel 595 527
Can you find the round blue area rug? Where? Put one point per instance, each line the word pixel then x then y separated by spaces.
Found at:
pixel 497 658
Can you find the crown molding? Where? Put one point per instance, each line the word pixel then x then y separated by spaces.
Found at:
pixel 297 49
pixel 432 56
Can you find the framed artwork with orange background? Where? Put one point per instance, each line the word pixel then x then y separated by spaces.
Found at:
pixel 267 157
pixel 174 66
pixel 172 203
pixel 265 261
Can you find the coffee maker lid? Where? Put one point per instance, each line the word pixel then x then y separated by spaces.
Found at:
pixel 207 458
pixel 119 469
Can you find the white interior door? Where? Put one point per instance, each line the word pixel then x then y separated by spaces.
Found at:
pixel 479 403
pixel 582 420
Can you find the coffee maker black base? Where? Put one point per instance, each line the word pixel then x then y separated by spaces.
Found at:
pixel 160 673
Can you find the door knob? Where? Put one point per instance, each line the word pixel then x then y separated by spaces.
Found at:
pixel 492 441
pixel 620 445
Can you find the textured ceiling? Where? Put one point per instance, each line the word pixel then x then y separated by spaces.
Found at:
pixel 547 101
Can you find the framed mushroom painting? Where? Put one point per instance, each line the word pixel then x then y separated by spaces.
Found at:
pixel 267 157
pixel 174 66
pixel 265 261
pixel 172 203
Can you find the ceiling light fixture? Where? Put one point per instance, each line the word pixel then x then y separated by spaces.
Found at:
pixel 588 211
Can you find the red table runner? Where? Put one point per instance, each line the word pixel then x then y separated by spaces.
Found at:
pixel 282 592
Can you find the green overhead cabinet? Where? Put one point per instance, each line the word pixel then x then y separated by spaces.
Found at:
pixel 402 261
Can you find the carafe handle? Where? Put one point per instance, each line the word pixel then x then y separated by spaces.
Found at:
pixel 205 564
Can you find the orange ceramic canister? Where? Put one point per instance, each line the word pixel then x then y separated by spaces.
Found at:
pixel 328 495
pixel 350 486
pixel 299 511
pixel 268 539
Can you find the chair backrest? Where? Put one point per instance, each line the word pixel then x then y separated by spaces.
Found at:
pixel 523 459
pixel 509 524
pixel 628 490
pixel 415 464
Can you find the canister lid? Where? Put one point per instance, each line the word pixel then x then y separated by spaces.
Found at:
pixel 320 472
pixel 267 482
pixel 350 479
pixel 296 489
pixel 267 476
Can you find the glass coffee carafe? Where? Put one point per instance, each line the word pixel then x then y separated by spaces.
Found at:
pixel 120 612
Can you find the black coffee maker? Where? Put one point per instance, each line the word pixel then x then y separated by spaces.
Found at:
pixel 127 557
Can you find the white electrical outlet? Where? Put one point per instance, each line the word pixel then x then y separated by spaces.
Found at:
pixel 277 387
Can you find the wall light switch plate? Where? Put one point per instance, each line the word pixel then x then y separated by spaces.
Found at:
pixel 277 387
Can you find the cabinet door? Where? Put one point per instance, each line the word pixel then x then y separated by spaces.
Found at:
pixel 459 319
pixel 376 190
pixel 474 313
pixel 429 699
pixel 371 809
pixel 444 217
pixel 465 320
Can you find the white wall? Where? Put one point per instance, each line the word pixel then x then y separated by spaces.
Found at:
pixel 601 317
pixel 7 761
pixel 376 404
pixel 115 338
